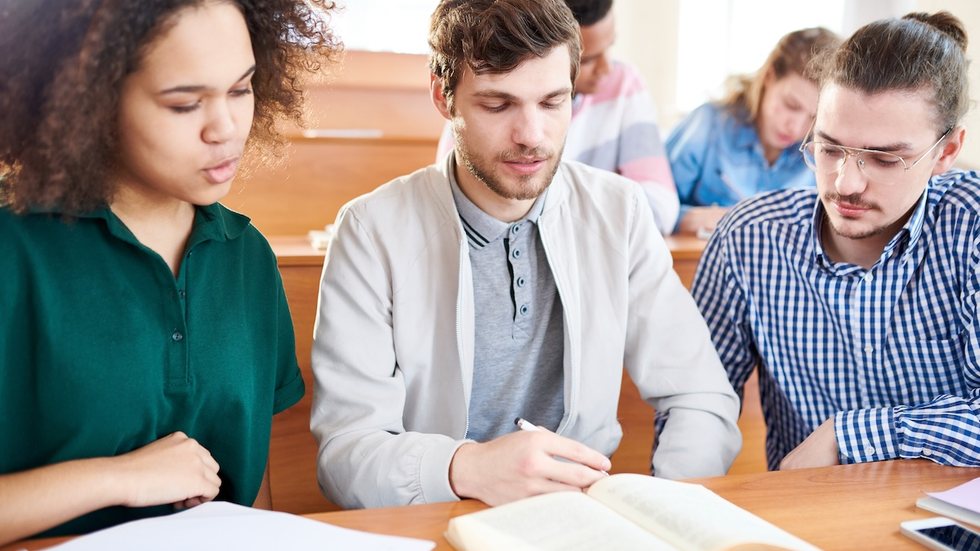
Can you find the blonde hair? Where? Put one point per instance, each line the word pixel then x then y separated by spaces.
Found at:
pixel 792 54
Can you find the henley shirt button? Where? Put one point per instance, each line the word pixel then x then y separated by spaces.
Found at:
pixel 521 281
pixel 177 336
pixel 516 253
pixel 524 309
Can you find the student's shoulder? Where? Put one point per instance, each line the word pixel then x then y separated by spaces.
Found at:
pixel 956 192
pixel 780 208
pixel 701 120
pixel 398 194
pixel 622 81
pixel 595 183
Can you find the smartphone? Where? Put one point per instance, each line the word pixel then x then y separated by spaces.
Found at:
pixel 942 534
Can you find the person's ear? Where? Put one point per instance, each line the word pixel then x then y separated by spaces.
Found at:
pixel 438 97
pixel 950 149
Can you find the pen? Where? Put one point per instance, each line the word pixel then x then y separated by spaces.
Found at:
pixel 524 424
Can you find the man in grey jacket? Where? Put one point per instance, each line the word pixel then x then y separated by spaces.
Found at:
pixel 504 283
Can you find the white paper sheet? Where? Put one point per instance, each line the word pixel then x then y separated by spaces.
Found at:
pixel 221 525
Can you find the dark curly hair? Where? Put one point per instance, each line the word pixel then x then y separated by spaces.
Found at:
pixel 63 66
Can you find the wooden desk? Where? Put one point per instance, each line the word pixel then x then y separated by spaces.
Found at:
pixel 847 507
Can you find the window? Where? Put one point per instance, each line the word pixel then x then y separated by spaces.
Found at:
pixel 400 26
pixel 717 39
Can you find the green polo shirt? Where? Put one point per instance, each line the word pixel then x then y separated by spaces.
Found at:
pixel 103 350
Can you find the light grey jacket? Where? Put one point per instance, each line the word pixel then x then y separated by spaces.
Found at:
pixel 393 343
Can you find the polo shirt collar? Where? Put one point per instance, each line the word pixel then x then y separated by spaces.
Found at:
pixel 212 222
pixel 482 229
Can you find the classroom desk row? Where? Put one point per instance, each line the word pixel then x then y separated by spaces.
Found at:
pixel 843 507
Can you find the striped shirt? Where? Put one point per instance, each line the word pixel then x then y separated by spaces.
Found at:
pixel 892 352
pixel 615 129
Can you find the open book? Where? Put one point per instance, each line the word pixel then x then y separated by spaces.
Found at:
pixel 623 511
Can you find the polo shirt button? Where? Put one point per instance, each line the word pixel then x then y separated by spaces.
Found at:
pixel 524 309
pixel 516 253
pixel 177 336
pixel 521 281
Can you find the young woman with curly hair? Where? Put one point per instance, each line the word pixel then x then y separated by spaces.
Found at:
pixel 145 341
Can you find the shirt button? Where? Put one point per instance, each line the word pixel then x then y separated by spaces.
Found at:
pixel 516 254
pixel 521 281
pixel 869 277
pixel 870 451
pixel 181 293
pixel 177 336
pixel 868 348
pixel 515 228
pixel 524 309
pixel 927 452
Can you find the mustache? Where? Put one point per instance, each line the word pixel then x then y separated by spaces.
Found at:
pixel 853 199
pixel 523 153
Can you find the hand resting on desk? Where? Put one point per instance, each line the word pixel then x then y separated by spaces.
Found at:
pixel 174 469
pixel 523 464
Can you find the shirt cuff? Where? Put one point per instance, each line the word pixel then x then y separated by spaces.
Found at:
pixel 865 435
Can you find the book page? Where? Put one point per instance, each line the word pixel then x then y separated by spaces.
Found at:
pixel 688 516
pixel 563 521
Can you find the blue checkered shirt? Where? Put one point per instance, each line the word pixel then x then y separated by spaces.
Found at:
pixel 891 353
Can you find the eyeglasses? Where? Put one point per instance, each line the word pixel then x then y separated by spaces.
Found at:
pixel 878 166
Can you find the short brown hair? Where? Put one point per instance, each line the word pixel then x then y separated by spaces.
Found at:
pixel 792 54
pixel 495 36
pixel 915 52
pixel 63 66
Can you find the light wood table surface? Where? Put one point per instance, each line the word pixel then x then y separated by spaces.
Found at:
pixel 844 507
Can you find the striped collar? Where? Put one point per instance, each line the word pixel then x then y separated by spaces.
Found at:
pixel 482 229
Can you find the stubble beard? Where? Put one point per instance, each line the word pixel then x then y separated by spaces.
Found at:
pixel 830 198
pixel 527 186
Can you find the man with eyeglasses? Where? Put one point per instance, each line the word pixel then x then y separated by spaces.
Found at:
pixel 858 301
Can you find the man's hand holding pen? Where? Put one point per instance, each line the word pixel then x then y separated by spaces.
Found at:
pixel 523 464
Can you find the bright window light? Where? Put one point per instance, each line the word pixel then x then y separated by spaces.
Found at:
pixel 400 26
pixel 718 38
